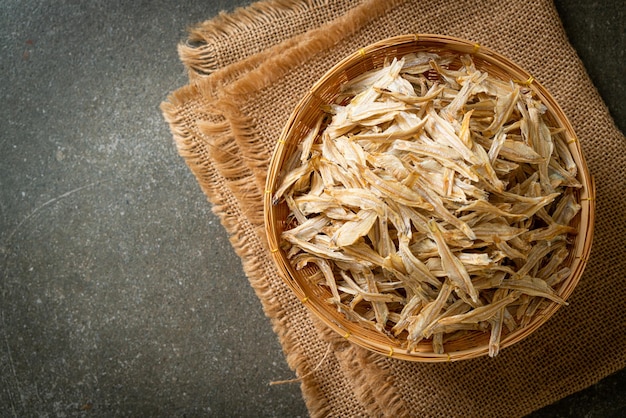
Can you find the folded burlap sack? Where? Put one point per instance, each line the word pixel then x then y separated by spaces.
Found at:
pixel 227 120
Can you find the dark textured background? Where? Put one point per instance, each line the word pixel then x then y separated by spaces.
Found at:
pixel 119 292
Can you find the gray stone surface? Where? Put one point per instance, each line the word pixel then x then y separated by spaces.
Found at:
pixel 119 292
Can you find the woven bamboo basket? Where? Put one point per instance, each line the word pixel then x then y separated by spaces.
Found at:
pixel 303 119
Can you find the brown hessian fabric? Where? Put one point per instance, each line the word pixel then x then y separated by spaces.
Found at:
pixel 248 69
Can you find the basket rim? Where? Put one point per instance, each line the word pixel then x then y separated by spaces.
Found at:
pixel 317 93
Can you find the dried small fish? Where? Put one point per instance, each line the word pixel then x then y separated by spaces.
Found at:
pixel 429 312
pixel 549 233
pixel 451 111
pixel 350 231
pixel 436 201
pixel 503 109
pixel 442 132
pixel 393 132
pixel 512 149
pixel 356 198
pixel 566 209
pixel 390 188
pixel 497 323
pixel 565 155
pixel 307 142
pixel 483 206
pixel 532 286
pixel 541 140
pixel 309 228
pixel 451 264
pixel 482 313
pixel 290 179
pixel 415 267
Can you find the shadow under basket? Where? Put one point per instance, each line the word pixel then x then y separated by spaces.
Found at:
pixel 302 121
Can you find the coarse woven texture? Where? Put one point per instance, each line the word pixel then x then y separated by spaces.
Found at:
pixel 226 124
pixel 231 37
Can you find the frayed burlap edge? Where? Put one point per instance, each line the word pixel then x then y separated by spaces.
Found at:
pixel 200 52
pixel 243 19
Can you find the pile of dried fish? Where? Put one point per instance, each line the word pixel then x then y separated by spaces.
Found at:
pixel 434 201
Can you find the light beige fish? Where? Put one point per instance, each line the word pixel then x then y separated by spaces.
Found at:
pixel 505 104
pixel 441 131
pixel 426 315
pixel 532 286
pixel 482 313
pixel 453 267
pixel 390 188
pixel 350 231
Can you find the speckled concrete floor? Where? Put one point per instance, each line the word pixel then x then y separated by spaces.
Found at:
pixel 117 283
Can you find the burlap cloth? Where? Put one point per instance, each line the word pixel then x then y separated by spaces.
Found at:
pixel 248 69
